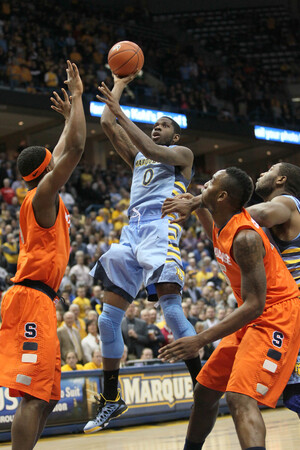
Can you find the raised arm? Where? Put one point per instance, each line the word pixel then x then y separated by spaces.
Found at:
pixel 63 107
pixel 275 212
pixel 175 156
pixel 248 252
pixel 116 134
pixel 71 149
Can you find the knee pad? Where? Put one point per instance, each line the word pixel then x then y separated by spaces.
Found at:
pixel 112 344
pixel 174 315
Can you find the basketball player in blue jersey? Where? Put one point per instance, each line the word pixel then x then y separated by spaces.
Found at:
pixel 280 214
pixel 148 251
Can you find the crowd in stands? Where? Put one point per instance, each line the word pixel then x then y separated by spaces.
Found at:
pixel 232 65
pixel 207 298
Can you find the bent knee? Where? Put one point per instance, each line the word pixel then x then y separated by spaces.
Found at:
pixel 205 397
pixel 106 328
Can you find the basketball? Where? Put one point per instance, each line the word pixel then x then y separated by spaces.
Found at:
pixel 125 58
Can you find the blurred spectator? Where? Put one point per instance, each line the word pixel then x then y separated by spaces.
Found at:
pixel 205 271
pixel 69 338
pixel 79 322
pixel 208 349
pixel 6 191
pixel 81 246
pixel 217 277
pixel 191 289
pixel 96 299
pixel 81 300
pixel 168 335
pixel 156 338
pixel 67 198
pixel 71 362
pixel 210 321
pixel 21 192
pixel 81 270
pixel 124 357
pixel 96 362
pixel 10 251
pixel 135 333
pixel 92 341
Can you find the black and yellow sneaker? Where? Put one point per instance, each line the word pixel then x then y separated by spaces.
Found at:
pixel 106 410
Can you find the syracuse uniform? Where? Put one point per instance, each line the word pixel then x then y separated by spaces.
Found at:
pixel 258 359
pixel 29 347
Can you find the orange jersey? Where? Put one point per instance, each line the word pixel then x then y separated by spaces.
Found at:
pixel 280 283
pixel 44 252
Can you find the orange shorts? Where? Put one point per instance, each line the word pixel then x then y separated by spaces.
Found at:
pixel 258 359
pixel 29 346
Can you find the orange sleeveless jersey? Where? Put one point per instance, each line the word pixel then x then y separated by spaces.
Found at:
pixel 280 283
pixel 44 252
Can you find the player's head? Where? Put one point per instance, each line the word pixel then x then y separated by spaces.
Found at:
pixel 33 163
pixel 166 131
pixel 282 177
pixel 232 187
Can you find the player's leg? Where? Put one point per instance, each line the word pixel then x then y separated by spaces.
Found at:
pixel 291 393
pixel 112 342
pixel 56 391
pixel 111 405
pixel 203 416
pixel 114 269
pixel 45 414
pixel 170 302
pixel 247 419
pixel 26 424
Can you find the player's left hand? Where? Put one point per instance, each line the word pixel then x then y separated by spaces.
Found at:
pixel 62 106
pixel 109 98
pixel 181 204
pixel 182 349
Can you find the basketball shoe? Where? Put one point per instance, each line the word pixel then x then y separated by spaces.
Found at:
pixel 106 410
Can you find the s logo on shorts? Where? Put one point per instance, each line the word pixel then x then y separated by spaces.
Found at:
pixel 277 339
pixel 30 330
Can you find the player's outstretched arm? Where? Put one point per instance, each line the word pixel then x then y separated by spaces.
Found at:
pixel 62 105
pixel 175 156
pixel 275 212
pixel 116 134
pixel 248 253
pixel 73 147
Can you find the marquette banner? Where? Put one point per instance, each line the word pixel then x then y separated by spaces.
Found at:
pixel 153 393
pixel 157 391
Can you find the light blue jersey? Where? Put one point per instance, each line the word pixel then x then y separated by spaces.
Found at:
pixel 148 251
pixel 152 183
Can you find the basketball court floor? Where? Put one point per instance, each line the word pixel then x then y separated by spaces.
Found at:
pixel 283 433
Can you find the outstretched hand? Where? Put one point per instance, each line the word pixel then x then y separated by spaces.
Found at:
pixel 182 349
pixel 73 80
pixel 124 80
pixel 109 98
pixel 181 204
pixel 62 106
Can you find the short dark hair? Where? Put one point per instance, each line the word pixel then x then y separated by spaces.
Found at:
pixel 30 159
pixel 176 127
pixel 292 174
pixel 239 186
